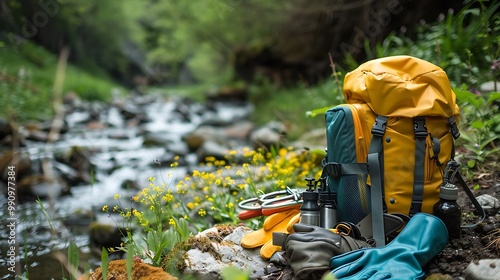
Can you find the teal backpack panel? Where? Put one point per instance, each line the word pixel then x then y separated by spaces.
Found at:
pixel 352 195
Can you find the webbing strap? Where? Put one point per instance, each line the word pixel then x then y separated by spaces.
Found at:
pixel 419 169
pixel 473 199
pixel 335 169
pixel 375 168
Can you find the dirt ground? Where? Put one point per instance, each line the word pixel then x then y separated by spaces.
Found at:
pixel 474 244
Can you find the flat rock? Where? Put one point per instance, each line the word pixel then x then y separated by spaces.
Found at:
pixel 485 269
pixel 210 254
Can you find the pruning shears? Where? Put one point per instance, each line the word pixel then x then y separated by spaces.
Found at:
pixel 268 204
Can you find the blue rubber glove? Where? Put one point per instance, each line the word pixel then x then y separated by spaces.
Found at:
pixel 422 239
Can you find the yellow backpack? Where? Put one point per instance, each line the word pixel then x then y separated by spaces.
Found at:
pixel 388 146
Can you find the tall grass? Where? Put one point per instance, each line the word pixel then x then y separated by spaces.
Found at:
pixel 27 76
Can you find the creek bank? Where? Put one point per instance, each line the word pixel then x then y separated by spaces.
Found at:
pixel 105 149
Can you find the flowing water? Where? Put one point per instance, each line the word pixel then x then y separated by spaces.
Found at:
pixel 128 159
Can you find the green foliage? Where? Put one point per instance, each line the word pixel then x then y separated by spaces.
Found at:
pixel 328 276
pixel 104 263
pixel 129 262
pixel 203 34
pixel 152 221
pixel 281 104
pixel 480 126
pixel 73 259
pixel 95 31
pixel 233 273
pixel 39 202
pixel 27 79
pixel 465 44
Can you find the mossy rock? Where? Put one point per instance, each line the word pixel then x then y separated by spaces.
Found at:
pixel 117 270
pixel 105 235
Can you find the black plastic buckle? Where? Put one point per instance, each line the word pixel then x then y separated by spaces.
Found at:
pixel 333 169
pixel 378 127
pixel 453 167
pixel 419 127
pixel 416 206
pixel 454 128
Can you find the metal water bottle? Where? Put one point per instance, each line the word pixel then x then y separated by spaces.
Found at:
pixel 448 210
pixel 309 211
pixel 328 209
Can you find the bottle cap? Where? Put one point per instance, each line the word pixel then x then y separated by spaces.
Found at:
pixel 310 195
pixel 448 191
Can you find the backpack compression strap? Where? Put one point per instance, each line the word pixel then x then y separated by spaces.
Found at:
pixel 454 167
pixel 476 204
pixel 418 182
pixel 375 167
pixel 456 133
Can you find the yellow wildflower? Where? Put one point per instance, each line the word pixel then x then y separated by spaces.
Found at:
pixel 202 212
pixel 168 197
pixel 105 208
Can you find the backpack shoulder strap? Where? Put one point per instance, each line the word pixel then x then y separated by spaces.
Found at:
pixel 375 168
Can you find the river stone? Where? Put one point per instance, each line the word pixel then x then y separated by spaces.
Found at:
pixel 489 86
pixel 210 254
pixel 157 139
pixel 21 161
pixel 5 128
pixel 105 235
pixel 313 140
pixel 239 130
pixel 41 186
pixel 80 217
pixel 202 134
pixel 271 134
pixel 485 269
pixel 212 149
pixel 35 134
pixel 488 202
pixel 79 158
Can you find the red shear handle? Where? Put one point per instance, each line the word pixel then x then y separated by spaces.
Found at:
pixel 249 214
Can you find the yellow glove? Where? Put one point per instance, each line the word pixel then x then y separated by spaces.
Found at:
pixel 268 249
pixel 277 222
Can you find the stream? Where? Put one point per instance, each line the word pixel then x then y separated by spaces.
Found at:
pixel 115 134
